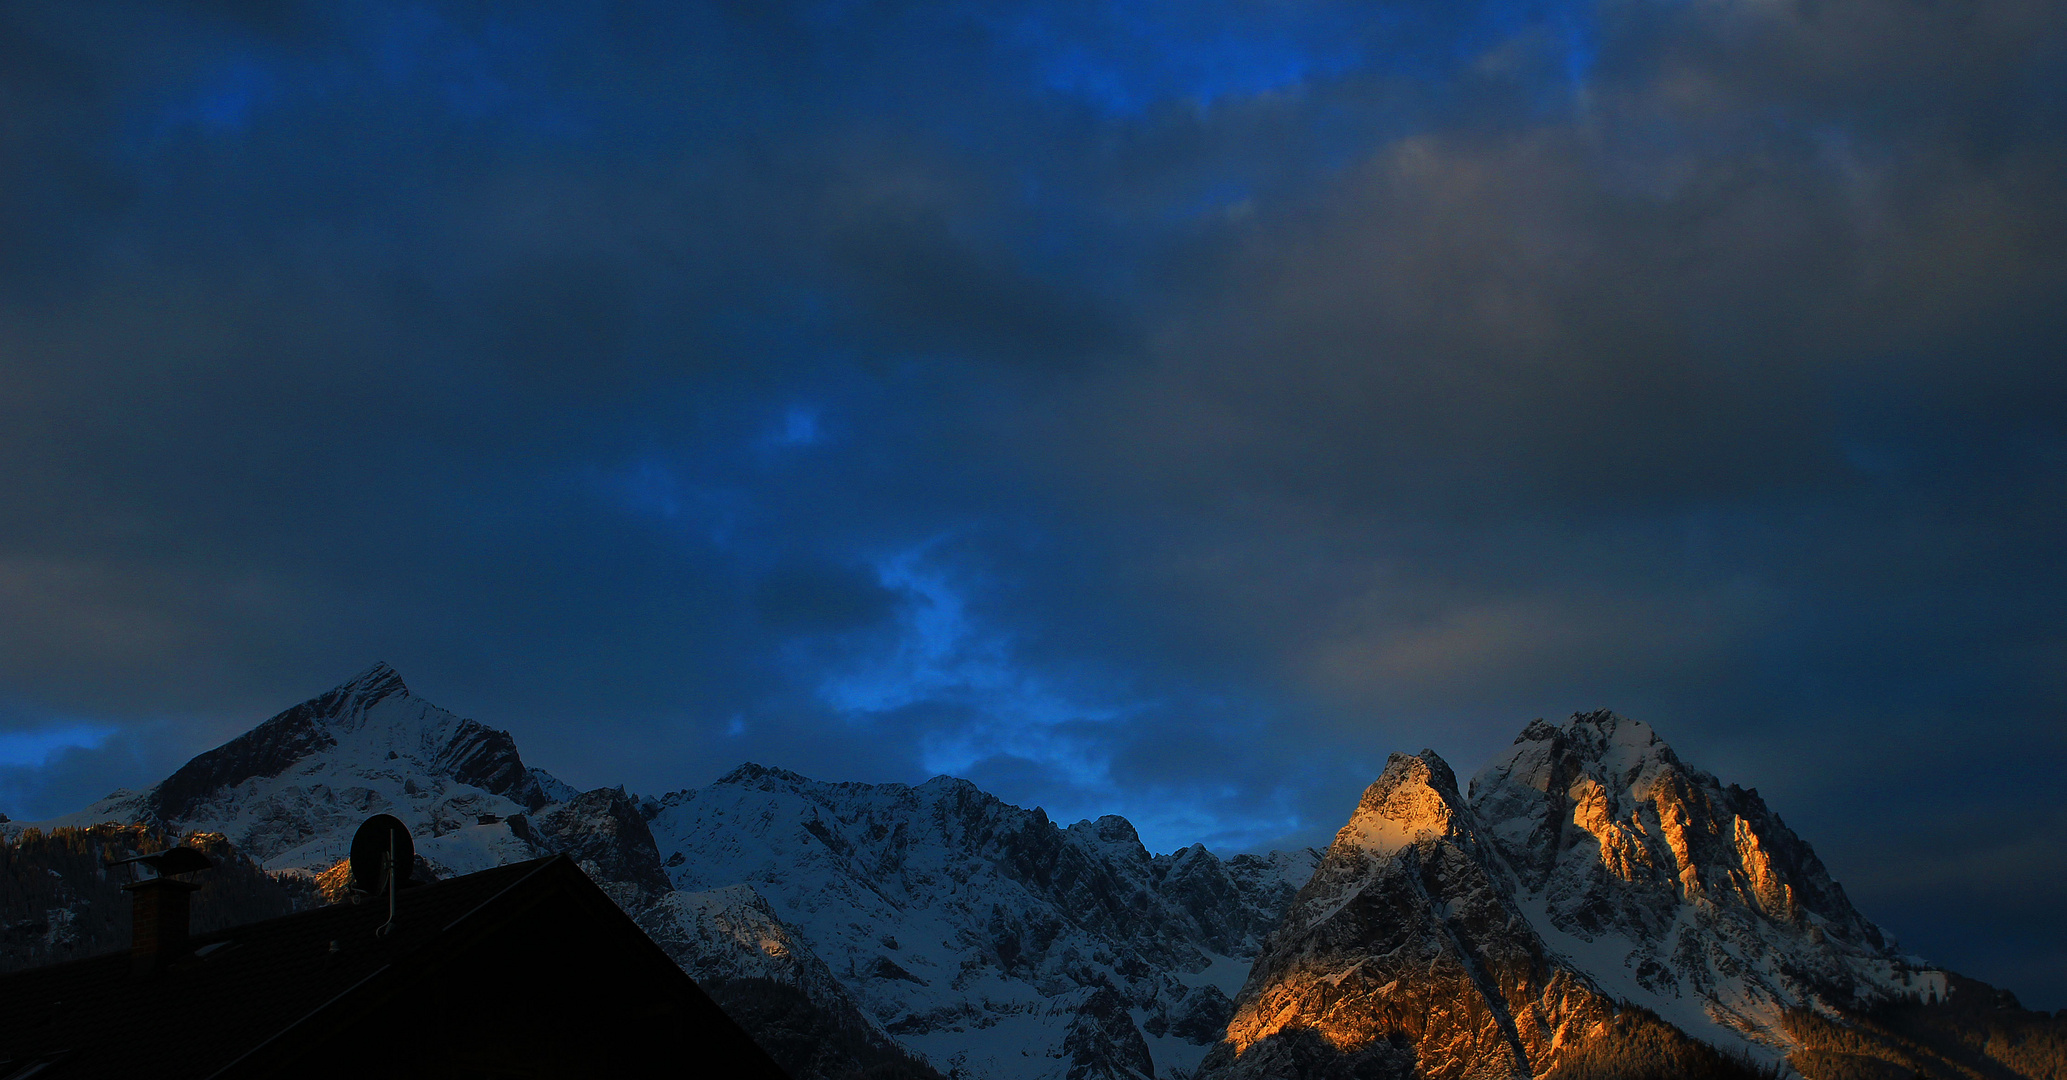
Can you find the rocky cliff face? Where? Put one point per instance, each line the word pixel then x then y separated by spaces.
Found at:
pixel 604 832
pixel 772 983
pixel 1591 885
pixel 1406 954
pixel 1675 891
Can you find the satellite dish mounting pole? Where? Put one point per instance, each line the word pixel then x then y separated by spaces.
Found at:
pixel 388 927
pixel 382 861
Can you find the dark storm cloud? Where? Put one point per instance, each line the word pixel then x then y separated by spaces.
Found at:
pixel 1161 409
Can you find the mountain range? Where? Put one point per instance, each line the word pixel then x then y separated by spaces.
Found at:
pixel 1590 906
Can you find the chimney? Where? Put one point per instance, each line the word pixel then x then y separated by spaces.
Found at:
pixel 160 906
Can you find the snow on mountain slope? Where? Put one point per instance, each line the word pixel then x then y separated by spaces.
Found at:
pixel 737 935
pixel 291 791
pixel 979 933
pixel 1676 892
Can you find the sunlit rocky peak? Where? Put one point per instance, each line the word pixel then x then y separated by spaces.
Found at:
pixel 1405 955
pixel 1590 867
pixel 1602 799
pixel 1414 799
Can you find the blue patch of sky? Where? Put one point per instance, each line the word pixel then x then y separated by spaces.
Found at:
pixel 798 427
pixel 240 88
pixel 401 44
pixel 1173 821
pixel 1225 198
pixel 1122 58
pixel 646 488
pixel 500 70
pixel 1555 49
pixel 652 488
pixel 1878 460
pixel 414 45
pixel 942 653
pixel 937 648
pixel 792 325
pixel 223 101
pixel 35 747
pixel 1580 49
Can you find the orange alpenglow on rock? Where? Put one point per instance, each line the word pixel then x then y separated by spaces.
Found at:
pixel 1405 954
pixel 1593 890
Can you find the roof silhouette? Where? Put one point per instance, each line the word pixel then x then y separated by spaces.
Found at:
pixel 522 969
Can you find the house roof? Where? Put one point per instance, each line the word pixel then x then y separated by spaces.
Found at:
pixel 242 993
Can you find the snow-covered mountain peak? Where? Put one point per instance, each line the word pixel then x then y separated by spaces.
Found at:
pixel 368 688
pixel 1682 893
pixel 1604 796
pixel 1415 799
pixel 1624 758
pixel 753 774
pixel 290 790
pixel 1112 833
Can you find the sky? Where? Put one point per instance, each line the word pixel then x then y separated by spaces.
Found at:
pixel 1156 407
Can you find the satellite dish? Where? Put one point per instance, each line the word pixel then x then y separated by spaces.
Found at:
pixel 381 834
